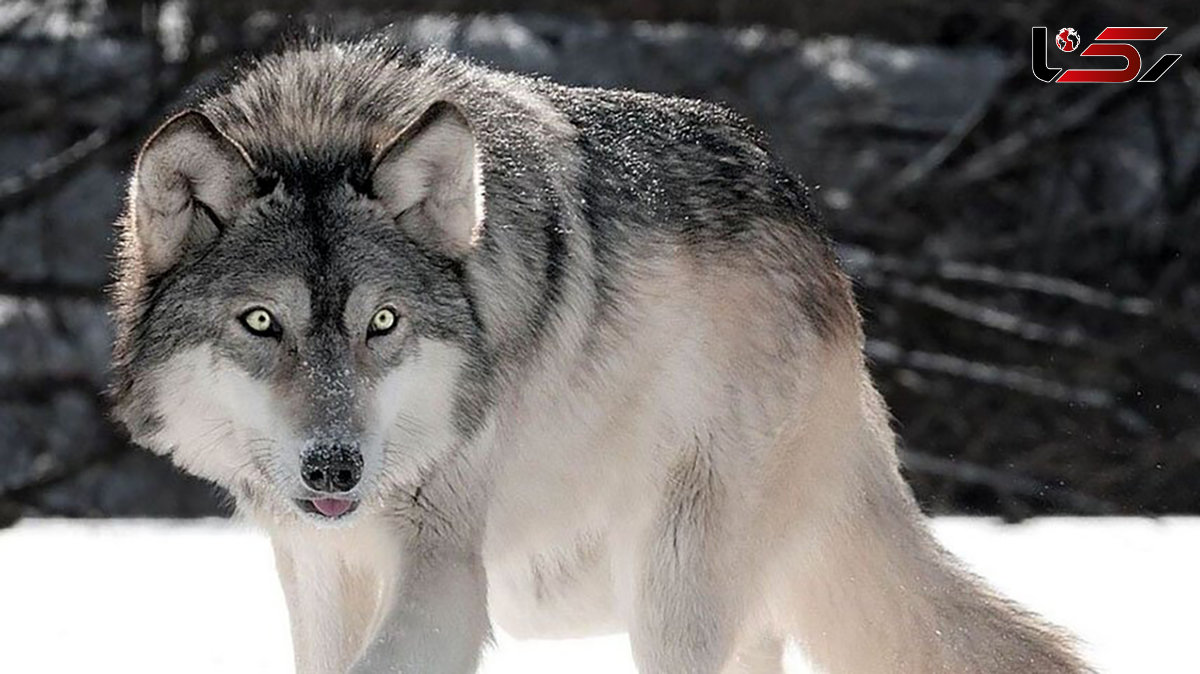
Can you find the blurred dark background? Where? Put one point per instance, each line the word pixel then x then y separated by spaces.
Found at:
pixel 1027 255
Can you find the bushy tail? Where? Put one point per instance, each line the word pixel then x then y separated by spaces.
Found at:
pixel 871 591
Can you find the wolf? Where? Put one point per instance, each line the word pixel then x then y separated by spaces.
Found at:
pixel 481 349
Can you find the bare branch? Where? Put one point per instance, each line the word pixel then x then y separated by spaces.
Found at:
pixel 858 259
pixel 15 189
pixel 50 290
pixel 917 172
pixel 990 374
pixel 1006 482
pixel 989 317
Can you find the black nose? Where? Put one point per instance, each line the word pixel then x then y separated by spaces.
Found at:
pixel 332 468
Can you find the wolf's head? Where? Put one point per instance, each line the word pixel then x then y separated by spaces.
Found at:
pixel 297 334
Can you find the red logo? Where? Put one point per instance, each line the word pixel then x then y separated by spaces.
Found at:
pixel 1112 42
pixel 1067 39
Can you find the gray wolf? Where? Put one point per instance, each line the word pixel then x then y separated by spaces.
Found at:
pixel 477 349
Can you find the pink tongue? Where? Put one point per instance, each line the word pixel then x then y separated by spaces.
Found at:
pixel 331 507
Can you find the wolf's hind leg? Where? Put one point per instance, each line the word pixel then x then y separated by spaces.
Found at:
pixel 687 608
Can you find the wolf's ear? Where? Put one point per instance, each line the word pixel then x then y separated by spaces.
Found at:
pixel 190 180
pixel 427 177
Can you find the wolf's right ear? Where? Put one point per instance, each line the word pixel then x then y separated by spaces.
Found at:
pixel 190 179
pixel 427 177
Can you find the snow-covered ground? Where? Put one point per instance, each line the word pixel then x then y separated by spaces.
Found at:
pixel 137 596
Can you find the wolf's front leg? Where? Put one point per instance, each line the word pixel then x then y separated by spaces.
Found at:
pixel 437 622
pixel 331 602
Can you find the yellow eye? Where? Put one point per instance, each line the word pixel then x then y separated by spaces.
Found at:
pixel 382 322
pixel 260 322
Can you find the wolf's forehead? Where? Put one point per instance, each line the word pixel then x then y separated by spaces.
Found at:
pixel 318 251
pixel 328 244
pixel 289 290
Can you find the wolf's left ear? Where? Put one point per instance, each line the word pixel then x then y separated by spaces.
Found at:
pixel 427 177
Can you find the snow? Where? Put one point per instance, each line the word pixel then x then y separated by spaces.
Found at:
pixel 200 596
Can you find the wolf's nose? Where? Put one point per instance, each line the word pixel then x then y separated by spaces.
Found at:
pixel 332 468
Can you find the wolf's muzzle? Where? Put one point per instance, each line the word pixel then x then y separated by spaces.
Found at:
pixel 332 468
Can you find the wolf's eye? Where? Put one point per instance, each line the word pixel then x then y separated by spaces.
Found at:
pixel 382 322
pixel 260 322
